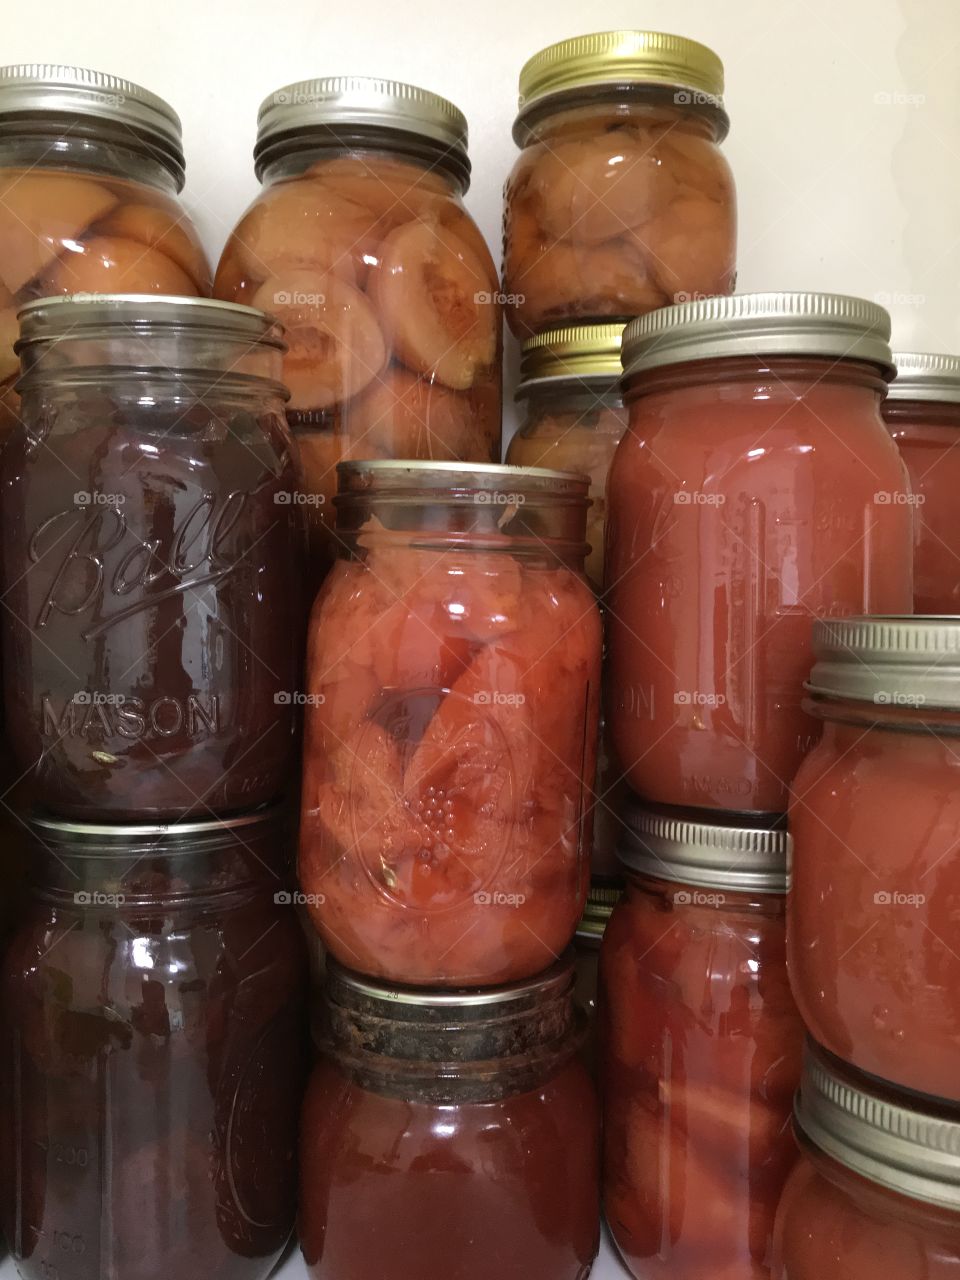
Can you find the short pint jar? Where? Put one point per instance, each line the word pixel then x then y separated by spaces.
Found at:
pixel 621 199
pixel 152 631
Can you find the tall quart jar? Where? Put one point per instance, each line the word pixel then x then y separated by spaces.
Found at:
pixel 452 701
pixel 877 1189
pixel 153 1062
pixel 756 490
pixel 700 1049
pixel 876 881
pixel 152 628
pixel 361 245
pixel 450 1133
pixel 621 199
pixel 90 169
pixel 922 412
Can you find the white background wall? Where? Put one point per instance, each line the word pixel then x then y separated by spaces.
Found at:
pixel 845 135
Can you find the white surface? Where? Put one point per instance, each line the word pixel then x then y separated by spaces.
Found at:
pixel 845 136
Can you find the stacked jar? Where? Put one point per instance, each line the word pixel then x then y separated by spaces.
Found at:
pixel 153 991
pixel 755 490
pixel 450 745
pixel 361 245
pixel 922 412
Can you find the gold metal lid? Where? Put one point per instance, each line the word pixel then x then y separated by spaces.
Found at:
pixel 341 103
pixel 88 314
pixel 925 376
pixel 759 324
pixel 587 352
pixel 41 87
pixel 911 1145
pixel 600 903
pixel 622 58
pixel 906 661
pixel 739 856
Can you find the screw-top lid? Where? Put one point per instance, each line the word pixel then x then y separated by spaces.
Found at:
pixel 89 314
pixel 909 1145
pixel 600 903
pixel 739 856
pixel 925 376
pixel 588 353
pixel 469 480
pixel 39 87
pixel 344 103
pixel 899 661
pixel 759 324
pixel 621 58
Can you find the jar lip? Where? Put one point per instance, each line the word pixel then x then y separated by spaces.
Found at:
pixel 908 1143
pixel 55 89
pixel 925 376
pixel 397 1000
pixel 893 661
pixel 739 854
pixel 798 324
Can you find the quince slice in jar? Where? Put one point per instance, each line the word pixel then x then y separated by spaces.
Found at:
pixel 409 415
pixel 155 227
pixel 41 213
pixel 111 264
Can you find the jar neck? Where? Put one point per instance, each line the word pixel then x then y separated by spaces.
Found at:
pixel 681 895
pixel 293 155
pixel 774 378
pixel 90 148
pixel 902 416
pixel 571 395
pixel 587 110
pixel 900 712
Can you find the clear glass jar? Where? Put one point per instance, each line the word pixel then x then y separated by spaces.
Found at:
pixel 450 1134
pixel 153 1054
pixel 700 1049
pixel 874 815
pixel 361 245
pixel 875 1192
pixel 444 823
pixel 90 169
pixel 621 200
pixel 922 413
pixel 152 630
pixel 756 489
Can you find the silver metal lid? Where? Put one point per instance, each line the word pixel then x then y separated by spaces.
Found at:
pixel 717 855
pixel 388 476
pixel 760 324
pixel 898 661
pixel 122 832
pixel 86 314
pixel 39 87
pixel 344 102
pixel 911 1146
pixel 552 982
pixel 925 376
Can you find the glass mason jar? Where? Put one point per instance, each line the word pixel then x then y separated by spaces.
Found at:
pixel 756 489
pixel 922 413
pixel 700 1049
pixel 874 815
pixel 361 245
pixel 450 1133
pixel 876 1190
pixel 451 723
pixel 575 416
pixel 90 169
pixel 621 200
pixel 151 625
pixel 601 900
pixel 152 1054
